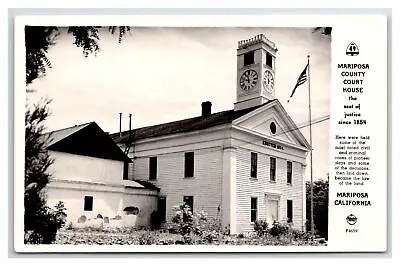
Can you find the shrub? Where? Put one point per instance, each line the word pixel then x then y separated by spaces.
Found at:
pixel 47 223
pixel 183 219
pixel 298 234
pixel 278 229
pixel 69 226
pixel 261 227
pixel 190 224
pixel 210 237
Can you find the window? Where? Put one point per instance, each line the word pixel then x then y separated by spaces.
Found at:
pixel 131 210
pixel 188 200
pixel 269 60
pixel 272 169
pixel 88 203
pixel 253 168
pixel 253 209
pixel 289 172
pixel 189 164
pixel 162 208
pixel 290 211
pixel 249 58
pixel 152 168
pixel 125 173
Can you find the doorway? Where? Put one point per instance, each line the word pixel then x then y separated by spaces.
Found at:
pixel 272 211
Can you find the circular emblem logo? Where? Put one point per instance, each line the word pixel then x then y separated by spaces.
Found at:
pixel 351 219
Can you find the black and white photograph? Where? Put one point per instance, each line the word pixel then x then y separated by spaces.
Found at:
pixel 177 135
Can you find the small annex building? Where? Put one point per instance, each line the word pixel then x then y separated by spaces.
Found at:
pixel 88 177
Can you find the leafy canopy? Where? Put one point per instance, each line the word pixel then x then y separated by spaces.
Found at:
pixel 39 39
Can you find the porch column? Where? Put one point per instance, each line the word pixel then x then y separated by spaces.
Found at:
pixel 229 188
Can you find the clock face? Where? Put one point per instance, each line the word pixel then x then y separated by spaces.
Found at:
pixel 248 79
pixel 268 81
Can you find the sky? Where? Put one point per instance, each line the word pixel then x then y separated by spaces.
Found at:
pixel 164 74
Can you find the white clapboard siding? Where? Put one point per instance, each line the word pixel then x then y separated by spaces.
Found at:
pixel 205 186
pixel 247 187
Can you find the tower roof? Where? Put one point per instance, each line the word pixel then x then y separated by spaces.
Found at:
pixel 260 38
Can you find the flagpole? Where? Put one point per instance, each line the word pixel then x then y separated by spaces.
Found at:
pixel 311 157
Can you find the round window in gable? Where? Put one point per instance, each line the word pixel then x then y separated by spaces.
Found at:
pixel 272 127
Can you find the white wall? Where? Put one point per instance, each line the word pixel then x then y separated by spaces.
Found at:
pixel 147 204
pixel 205 186
pixel 107 204
pixel 107 201
pixel 247 187
pixel 76 167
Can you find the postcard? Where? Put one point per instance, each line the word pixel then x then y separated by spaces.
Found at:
pixel 206 133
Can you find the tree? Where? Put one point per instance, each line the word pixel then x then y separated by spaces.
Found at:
pixel 321 198
pixel 324 30
pixel 41 222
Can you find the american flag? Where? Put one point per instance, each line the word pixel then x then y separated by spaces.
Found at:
pixel 302 78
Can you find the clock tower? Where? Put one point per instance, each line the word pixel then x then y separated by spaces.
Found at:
pixel 255 72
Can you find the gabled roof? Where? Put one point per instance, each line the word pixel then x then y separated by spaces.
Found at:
pixel 88 140
pixel 60 134
pixel 186 125
pixel 294 130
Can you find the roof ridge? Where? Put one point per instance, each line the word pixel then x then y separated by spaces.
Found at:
pixel 166 123
pixel 184 125
pixel 87 123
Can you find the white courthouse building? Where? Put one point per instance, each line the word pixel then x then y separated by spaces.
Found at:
pixel 238 165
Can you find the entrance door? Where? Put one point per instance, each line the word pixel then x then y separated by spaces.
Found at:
pixel 162 208
pixel 272 212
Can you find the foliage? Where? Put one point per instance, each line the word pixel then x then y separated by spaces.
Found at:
pixel 321 201
pixel 37 42
pixel 40 222
pixel 160 237
pixel 183 219
pixel 324 30
pixel 195 228
pixel 39 39
pixel 146 239
pixel 278 229
pixel 47 222
pixel 261 227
